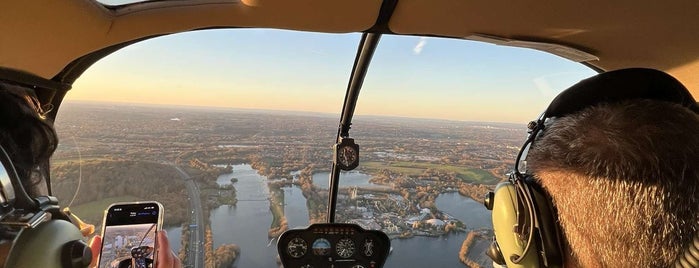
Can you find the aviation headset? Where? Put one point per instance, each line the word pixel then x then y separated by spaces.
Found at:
pixel 524 220
pixel 45 237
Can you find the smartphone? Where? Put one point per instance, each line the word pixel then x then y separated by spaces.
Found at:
pixel 129 235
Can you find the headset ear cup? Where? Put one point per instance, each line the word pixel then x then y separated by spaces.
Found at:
pixel 505 221
pixel 549 232
pixel 42 245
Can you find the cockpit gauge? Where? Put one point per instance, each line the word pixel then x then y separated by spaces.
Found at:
pixel 358 266
pixel 346 154
pixel 344 248
pixel 297 247
pixel 321 247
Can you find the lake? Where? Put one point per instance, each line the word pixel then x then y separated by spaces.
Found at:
pixel 247 223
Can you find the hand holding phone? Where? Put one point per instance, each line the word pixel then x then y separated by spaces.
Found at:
pixel 166 258
pixel 129 235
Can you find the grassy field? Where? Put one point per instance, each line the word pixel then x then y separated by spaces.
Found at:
pixel 415 169
pixel 94 211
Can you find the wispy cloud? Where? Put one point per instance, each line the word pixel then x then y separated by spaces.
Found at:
pixel 420 45
pixel 543 86
pixel 551 84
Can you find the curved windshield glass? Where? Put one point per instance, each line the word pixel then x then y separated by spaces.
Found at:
pixel 232 131
pixel 452 117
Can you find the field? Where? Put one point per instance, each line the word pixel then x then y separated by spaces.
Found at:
pixel 93 212
pixel 417 168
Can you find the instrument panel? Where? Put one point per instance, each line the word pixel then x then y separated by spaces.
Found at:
pixel 336 245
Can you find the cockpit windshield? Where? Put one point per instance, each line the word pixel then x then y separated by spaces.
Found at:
pixel 232 131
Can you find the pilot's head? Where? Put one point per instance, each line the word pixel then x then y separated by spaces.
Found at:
pixel 624 179
pixel 616 155
pixel 27 136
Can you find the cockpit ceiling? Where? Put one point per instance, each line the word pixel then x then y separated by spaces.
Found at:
pixel 43 36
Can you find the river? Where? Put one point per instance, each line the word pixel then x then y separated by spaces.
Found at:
pixel 428 251
pixel 247 223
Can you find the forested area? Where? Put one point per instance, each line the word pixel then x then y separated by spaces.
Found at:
pixel 119 180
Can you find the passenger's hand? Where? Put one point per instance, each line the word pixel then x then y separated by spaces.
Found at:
pixel 166 257
pixel 95 244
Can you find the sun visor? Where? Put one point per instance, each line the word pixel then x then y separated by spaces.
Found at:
pixel 566 52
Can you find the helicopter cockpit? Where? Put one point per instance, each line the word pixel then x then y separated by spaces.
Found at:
pixel 244 119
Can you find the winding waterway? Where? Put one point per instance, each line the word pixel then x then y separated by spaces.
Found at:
pixel 247 223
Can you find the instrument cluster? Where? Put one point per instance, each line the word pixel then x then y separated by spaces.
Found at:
pixel 333 245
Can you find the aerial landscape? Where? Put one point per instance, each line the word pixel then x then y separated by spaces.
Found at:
pixel 233 180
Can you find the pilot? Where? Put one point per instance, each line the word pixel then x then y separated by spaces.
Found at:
pixel 29 139
pixel 624 179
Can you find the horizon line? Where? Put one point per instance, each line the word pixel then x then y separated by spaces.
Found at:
pixel 324 114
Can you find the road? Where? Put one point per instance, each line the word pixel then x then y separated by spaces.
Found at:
pixel 195 251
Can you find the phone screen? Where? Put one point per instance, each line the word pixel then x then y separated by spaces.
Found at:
pixel 128 237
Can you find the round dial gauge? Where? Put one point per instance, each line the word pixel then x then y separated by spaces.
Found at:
pixel 321 247
pixel 297 247
pixel 345 248
pixel 358 266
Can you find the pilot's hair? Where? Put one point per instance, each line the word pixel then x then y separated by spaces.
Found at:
pixel 624 179
pixel 26 134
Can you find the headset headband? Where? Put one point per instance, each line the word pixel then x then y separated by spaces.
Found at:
pixel 621 85
pixel 610 87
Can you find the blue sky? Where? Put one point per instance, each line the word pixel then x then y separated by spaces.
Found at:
pixel 288 70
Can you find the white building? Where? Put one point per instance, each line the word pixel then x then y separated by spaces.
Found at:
pixel 436 222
